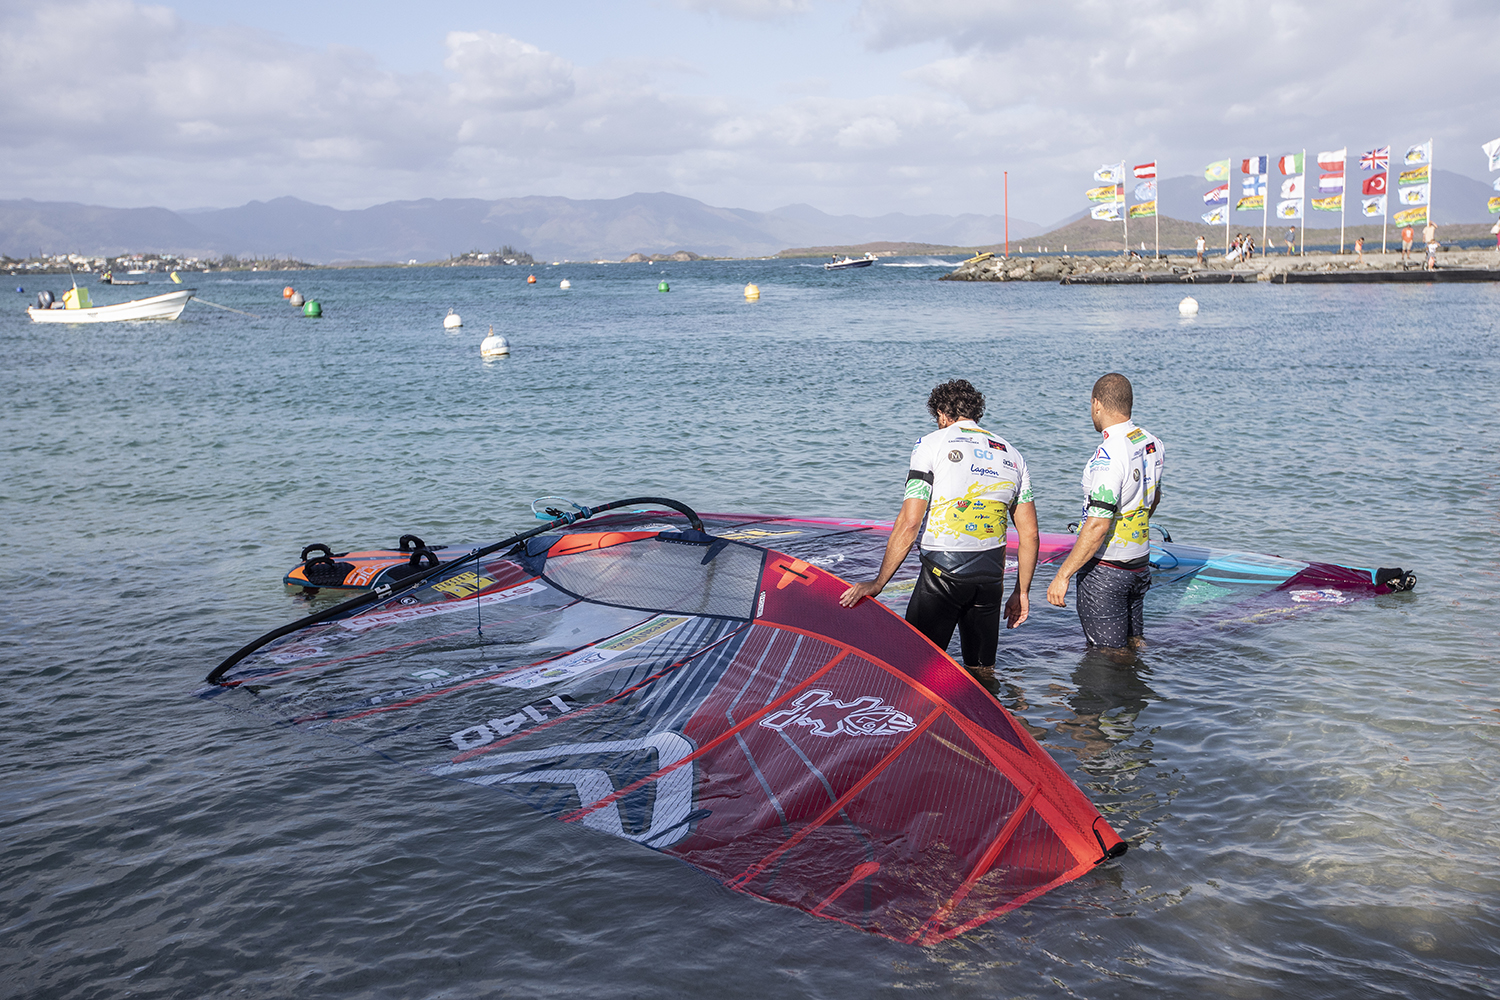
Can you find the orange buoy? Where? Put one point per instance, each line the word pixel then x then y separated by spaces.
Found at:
pixel 288 292
pixel 531 279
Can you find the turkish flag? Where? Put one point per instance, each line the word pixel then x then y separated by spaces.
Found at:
pixel 1375 185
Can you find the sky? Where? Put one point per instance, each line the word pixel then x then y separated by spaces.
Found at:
pixel 852 106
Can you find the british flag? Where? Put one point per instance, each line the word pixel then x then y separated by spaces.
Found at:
pixel 1376 159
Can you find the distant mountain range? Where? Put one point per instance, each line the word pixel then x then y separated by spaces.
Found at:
pixel 433 229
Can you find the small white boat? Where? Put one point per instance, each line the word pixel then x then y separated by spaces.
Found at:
pixel 847 262
pixel 168 306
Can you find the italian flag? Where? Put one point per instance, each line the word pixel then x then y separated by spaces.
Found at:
pixel 1291 164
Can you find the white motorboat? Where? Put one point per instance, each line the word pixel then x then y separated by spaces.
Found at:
pixel 168 306
pixel 847 262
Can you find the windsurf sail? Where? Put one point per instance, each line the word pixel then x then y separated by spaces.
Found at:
pixel 691 686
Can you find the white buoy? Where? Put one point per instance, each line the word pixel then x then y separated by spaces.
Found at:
pixel 452 321
pixel 565 283
pixel 494 346
pixel 1188 306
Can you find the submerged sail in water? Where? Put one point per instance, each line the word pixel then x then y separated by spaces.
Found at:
pixel 704 695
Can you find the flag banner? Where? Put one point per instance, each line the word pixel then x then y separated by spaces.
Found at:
pixel 1289 209
pixel 1217 195
pixel 1373 208
pixel 1218 217
pixel 1333 162
pixel 1496 185
pixel 1414 195
pixel 1145 191
pixel 1374 185
pixel 1492 150
pixel 1419 154
pixel 1334 204
pixel 1143 170
pixel 1495 204
pixel 1417 176
pixel 1410 217
pixel 1253 185
pixel 1144 210
pixel 1253 203
pixel 1378 159
pixel 1110 173
pixel 1255 165
pixel 1330 182
pixel 1112 212
pixel 1216 171
pixel 1292 187
pixel 1109 192
pixel 1290 164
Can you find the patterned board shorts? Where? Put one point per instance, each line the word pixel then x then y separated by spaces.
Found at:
pixel 1111 603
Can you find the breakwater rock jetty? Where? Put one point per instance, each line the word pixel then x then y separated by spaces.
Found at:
pixel 1312 268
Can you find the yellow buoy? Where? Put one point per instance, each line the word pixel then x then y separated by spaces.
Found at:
pixel 752 292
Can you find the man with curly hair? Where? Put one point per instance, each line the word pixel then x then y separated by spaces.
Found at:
pixel 1121 488
pixel 964 487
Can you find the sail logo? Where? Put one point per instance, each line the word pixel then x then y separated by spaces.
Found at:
pixel 826 716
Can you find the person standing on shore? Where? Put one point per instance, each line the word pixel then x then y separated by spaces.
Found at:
pixel 1496 230
pixel 1121 488
pixel 1406 238
pixel 1291 239
pixel 1201 244
pixel 963 488
pixel 1429 237
pixel 1359 248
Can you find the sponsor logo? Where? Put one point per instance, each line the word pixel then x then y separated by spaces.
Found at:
pixel 746 533
pixel 464 584
pixel 361 622
pixel 1135 474
pixel 291 654
pixel 998 446
pixel 488 732
pixel 587 659
pixel 827 717
pixel 984 455
pixel 361 576
pixel 1151 447
pixel 1007 463
pixel 955 455
pixel 1101 454
pixel 980 470
pixel 1136 436
pixel 407 600
pixel 1321 597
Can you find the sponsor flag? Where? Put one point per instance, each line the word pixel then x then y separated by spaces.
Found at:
pixel 1252 203
pixel 1255 165
pixel 1253 185
pixel 1109 192
pixel 1292 187
pixel 1333 204
pixel 1290 164
pixel 1374 185
pixel 1495 204
pixel 1333 162
pixel 1144 210
pixel 1414 195
pixel 1373 208
pixel 1107 213
pixel 1497 184
pixel 1218 217
pixel 1378 159
pixel 1217 195
pixel 1145 191
pixel 1417 176
pixel 1492 150
pixel 1216 171
pixel 1110 173
pixel 1410 217
pixel 1421 153
pixel 1289 209
pixel 1330 182
pixel 1143 170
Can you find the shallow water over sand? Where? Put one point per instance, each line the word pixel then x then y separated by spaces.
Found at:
pixel 1309 798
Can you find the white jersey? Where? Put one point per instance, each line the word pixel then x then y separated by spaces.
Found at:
pixel 970 479
pixel 1120 482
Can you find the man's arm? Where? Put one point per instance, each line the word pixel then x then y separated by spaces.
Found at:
pixel 1090 534
pixel 1018 608
pixel 903 536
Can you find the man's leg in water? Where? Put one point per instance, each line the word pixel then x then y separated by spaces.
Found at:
pixel 932 610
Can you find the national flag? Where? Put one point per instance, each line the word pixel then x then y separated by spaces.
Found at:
pixel 1253 185
pixel 1379 159
pixel 1145 191
pixel 1492 150
pixel 1107 213
pixel 1334 204
pixel 1145 169
pixel 1109 192
pixel 1256 165
pixel 1144 210
pixel 1372 208
pixel 1416 195
pixel 1218 217
pixel 1417 176
pixel 1110 173
pixel 1374 185
pixel 1216 171
pixel 1217 195
pixel 1290 164
pixel 1333 162
pixel 1410 217
pixel 1252 203
pixel 1421 153
pixel 1289 209
pixel 1495 204
pixel 1330 182
pixel 1292 187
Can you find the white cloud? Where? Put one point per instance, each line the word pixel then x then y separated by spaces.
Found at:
pixel 749 10
pixel 501 73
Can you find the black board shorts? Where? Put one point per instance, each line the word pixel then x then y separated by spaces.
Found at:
pixel 1111 603
pixel 942 602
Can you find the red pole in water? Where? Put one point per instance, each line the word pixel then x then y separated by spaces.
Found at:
pixel 1007 214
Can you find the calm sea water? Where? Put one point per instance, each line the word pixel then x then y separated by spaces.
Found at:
pixel 1310 800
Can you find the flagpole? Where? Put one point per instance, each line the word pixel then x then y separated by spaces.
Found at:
pixel 1228 173
pixel 1156 216
pixel 1124 204
pixel 1343 190
pixel 1302 239
pixel 1007 215
pixel 1385 217
pixel 1431 179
